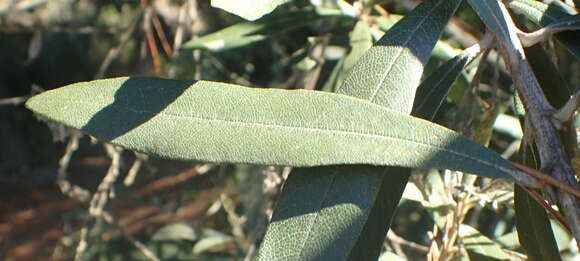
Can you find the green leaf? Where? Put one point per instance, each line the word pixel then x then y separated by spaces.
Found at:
pixel 248 9
pixel 534 230
pixel 434 89
pixel 442 50
pixel 360 42
pixel 480 247
pixel 219 122
pixel 388 74
pixel 245 33
pixel 360 200
pixel 545 15
pixel 490 13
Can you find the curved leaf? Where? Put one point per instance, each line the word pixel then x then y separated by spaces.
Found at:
pixel 248 9
pixel 219 122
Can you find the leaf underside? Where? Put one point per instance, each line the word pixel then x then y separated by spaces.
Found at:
pixel 219 122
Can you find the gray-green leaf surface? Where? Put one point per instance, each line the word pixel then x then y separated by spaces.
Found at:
pixel 349 208
pixel 219 122
pixel 389 73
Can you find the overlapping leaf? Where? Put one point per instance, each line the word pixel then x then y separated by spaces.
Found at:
pixel 219 122
pixel 360 42
pixel 357 212
pixel 434 89
pixel 389 73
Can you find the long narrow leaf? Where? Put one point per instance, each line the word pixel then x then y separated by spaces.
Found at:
pixel 434 89
pixel 534 230
pixel 362 215
pixel 389 73
pixel 218 122
pixel 360 42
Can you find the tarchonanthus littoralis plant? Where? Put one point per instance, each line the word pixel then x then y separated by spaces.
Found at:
pixel 354 144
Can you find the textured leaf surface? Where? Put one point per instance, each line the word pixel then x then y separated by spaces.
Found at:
pixel 248 9
pixel 545 15
pixel 219 122
pixel 350 207
pixel 245 33
pixel 390 71
pixel 360 42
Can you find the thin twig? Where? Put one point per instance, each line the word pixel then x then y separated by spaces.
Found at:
pixel 547 179
pixel 161 34
pixel 417 247
pixel 539 113
pixel 151 40
pixel 315 53
pixel 544 33
pixel 139 159
pixel 82 245
pixel 115 51
pixel 105 190
pixel 565 113
pixel 546 206
pixel 13 100
pixel 67 188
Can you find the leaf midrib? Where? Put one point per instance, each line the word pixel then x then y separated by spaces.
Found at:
pixel 314 129
pixel 412 35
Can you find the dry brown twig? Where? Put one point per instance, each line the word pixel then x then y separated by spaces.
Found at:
pixel 151 39
pixel 114 52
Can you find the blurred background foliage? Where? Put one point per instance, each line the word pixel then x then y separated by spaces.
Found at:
pixel 196 211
